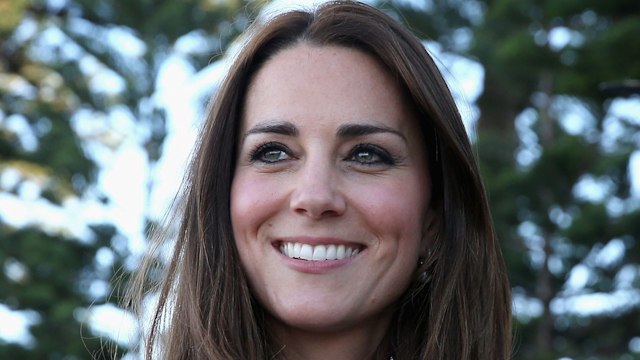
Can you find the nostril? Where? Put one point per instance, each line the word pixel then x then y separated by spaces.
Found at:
pixel 318 204
pixel 316 192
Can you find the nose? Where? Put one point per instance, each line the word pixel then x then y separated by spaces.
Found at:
pixel 316 193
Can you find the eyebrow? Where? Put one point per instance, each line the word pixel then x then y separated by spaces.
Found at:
pixel 344 131
pixel 282 128
pixel 355 130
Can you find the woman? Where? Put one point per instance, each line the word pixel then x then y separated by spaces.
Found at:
pixel 333 208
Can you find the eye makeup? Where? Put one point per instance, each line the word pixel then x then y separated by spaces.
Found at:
pixel 371 155
pixel 270 153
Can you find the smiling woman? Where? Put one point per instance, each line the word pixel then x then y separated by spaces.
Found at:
pixel 333 208
pixel 344 172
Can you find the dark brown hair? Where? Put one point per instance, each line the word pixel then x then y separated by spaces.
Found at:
pixel 459 309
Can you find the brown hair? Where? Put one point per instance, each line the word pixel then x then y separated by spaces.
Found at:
pixel 459 309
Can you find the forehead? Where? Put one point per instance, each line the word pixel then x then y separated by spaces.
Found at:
pixel 313 83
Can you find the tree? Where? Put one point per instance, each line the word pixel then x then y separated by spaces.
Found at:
pixel 555 153
pixel 554 75
pixel 70 72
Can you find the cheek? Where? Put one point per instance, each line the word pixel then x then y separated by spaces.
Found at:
pixel 396 209
pixel 253 201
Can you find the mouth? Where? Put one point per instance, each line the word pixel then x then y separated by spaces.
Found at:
pixel 296 250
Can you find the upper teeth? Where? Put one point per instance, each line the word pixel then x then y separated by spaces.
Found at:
pixel 317 252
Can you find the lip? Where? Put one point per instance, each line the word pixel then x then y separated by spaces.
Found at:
pixel 317 267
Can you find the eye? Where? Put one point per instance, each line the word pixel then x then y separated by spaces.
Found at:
pixel 369 154
pixel 270 153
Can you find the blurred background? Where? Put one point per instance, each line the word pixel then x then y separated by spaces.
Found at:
pixel 100 102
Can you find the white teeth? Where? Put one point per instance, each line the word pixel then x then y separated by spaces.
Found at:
pixel 306 252
pixel 331 252
pixel 296 250
pixel 317 252
pixel 289 247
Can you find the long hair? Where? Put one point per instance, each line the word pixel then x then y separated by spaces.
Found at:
pixel 460 308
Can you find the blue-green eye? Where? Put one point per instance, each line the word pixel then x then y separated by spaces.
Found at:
pixel 270 153
pixel 366 157
pixel 369 154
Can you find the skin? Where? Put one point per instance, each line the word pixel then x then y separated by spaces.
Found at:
pixel 329 153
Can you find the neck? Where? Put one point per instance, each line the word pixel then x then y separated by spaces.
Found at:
pixel 367 341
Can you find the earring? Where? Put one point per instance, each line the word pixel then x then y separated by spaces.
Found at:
pixel 424 277
pixel 420 261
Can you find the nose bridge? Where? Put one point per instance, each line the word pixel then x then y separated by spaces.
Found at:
pixel 316 192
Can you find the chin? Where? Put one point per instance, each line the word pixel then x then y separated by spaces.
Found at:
pixel 325 319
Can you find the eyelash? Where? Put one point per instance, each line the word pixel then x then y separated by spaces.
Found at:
pixel 383 157
pixel 261 150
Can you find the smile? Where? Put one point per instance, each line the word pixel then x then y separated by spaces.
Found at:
pixel 301 251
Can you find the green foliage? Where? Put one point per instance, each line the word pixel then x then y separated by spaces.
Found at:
pixel 554 231
pixel 12 12
pixel 549 230
pixel 50 275
pixel 65 68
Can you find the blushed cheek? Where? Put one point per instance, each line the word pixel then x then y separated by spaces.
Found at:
pixel 253 200
pixel 242 199
pixel 397 211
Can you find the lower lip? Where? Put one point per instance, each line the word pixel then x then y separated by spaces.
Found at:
pixel 317 267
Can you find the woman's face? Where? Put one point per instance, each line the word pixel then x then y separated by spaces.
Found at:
pixel 329 201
